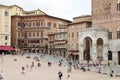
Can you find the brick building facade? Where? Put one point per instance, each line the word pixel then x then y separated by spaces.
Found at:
pixel 30 33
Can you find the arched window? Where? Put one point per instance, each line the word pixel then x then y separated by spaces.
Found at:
pixel 118 33
pixel 118 5
pixel 109 34
pixel 100 44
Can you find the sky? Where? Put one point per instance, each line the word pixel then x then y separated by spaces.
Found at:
pixel 66 9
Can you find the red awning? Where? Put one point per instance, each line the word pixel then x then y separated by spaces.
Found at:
pixel 9 48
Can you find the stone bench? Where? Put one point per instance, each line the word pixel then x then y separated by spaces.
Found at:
pixel 116 72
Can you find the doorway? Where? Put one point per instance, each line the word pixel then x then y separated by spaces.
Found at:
pixel 99 49
pixel 109 55
pixel 119 58
pixel 87 48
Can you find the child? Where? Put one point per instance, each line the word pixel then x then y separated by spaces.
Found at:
pixel 68 77
pixel 23 70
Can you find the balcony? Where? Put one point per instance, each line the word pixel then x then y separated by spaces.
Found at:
pixel 60 42
pixel 31 46
pixel 20 27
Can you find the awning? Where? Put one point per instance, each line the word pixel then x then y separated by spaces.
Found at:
pixel 6 48
pixel 73 53
pixel 60 42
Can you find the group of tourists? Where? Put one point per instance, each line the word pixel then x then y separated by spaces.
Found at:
pixel 31 66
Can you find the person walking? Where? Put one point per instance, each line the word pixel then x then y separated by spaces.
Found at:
pixel 23 70
pixel 27 66
pixel 32 63
pixel 31 66
pixel 39 65
pixel 60 75
pixel 68 77
pixel 59 63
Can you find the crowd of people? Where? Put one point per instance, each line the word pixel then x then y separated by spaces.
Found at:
pixel 61 62
pixel 50 63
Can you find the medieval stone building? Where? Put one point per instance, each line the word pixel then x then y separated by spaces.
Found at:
pixel 101 42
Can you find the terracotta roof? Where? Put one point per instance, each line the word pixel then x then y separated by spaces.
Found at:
pixel 34 11
pixel 16 6
pixel 43 15
pixel 5 6
pixel 82 16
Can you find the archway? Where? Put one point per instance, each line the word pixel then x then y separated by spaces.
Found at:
pixel 119 58
pixel 87 43
pixel 99 49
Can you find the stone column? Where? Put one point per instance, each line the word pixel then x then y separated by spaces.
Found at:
pixel 94 52
pixel 105 54
pixel 90 51
pixel 115 57
pixel 81 53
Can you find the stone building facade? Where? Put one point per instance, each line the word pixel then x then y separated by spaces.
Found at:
pixel 93 45
pixel 103 39
pixel 73 29
pixel 5 25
